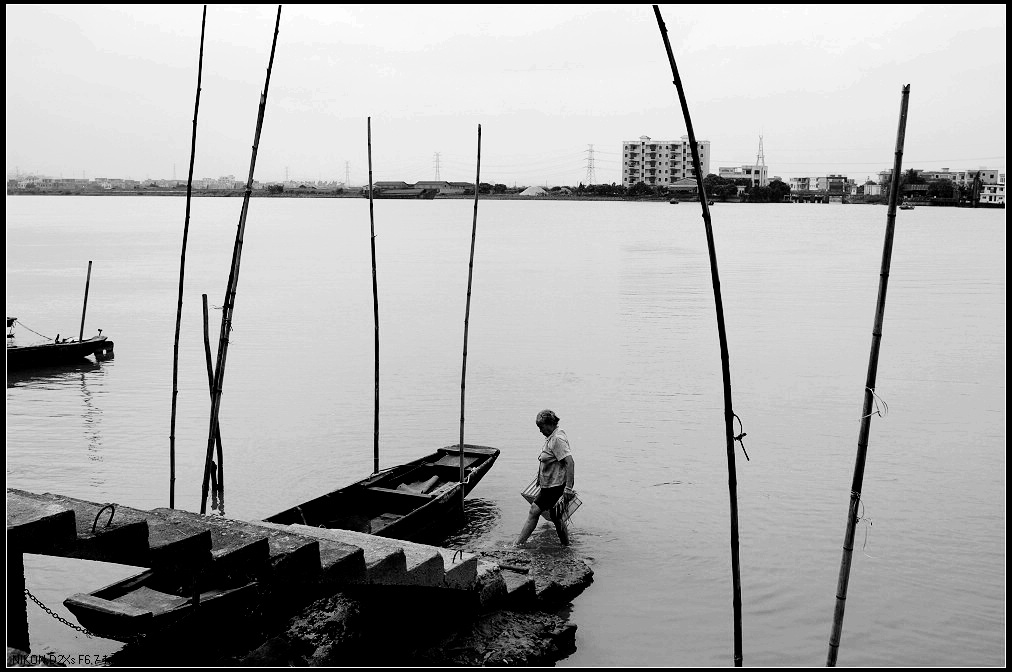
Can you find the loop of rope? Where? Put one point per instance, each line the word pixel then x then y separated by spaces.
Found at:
pixel 876 400
pixel 112 512
pixel 741 436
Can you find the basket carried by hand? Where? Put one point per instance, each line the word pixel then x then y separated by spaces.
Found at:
pixel 565 507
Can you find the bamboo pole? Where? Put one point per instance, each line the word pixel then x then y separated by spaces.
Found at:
pixel 182 267
pixel 84 310
pixel 233 279
pixel 375 308
pixel 219 487
pixel 869 391
pixel 732 481
pixel 467 313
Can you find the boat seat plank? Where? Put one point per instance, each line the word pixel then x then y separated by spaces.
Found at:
pixel 84 602
pixel 400 493
pixel 154 600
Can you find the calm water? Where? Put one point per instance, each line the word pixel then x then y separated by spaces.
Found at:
pixel 603 312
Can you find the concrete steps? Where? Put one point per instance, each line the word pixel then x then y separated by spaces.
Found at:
pixel 224 550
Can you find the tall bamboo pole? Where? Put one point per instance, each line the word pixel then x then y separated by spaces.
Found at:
pixel 467 313
pixel 84 309
pixel 869 390
pixel 182 267
pixel 376 315
pixel 732 481
pixel 233 279
pixel 220 486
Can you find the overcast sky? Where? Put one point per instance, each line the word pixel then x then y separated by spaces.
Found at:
pixel 108 91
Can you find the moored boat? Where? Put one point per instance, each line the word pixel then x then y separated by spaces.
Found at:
pixel 65 351
pixel 139 605
pixel 414 501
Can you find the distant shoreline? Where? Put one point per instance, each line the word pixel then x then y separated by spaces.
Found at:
pixel 211 193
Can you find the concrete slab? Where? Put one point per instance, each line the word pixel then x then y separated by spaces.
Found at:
pixel 36 526
pixel 423 564
pixel 460 568
pixel 340 563
pixel 102 532
pixel 238 553
pixel 385 564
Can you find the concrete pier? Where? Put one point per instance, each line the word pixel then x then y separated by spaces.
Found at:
pixel 373 586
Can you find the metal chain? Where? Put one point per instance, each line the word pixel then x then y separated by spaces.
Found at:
pixel 133 639
pixel 61 619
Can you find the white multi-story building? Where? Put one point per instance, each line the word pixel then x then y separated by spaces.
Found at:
pixel 661 162
pixel 994 193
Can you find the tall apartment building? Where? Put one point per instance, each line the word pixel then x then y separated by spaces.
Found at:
pixel 661 162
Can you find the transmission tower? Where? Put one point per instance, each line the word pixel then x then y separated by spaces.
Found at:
pixel 760 165
pixel 591 178
pixel 347 174
pixel 436 161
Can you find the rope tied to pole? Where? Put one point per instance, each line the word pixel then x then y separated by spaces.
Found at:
pixel 876 400
pixel 741 435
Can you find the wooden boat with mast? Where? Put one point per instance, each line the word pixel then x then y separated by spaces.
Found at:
pixel 60 351
pixel 414 501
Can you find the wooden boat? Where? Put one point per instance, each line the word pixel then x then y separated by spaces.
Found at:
pixel 415 501
pixel 138 605
pixel 54 354
pixel 673 201
pixel 906 206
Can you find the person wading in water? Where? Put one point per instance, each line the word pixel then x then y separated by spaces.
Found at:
pixel 556 476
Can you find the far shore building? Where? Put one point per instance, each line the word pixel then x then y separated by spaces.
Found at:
pixel 661 162
pixel 755 174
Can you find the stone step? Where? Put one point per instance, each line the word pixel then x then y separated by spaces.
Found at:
pixel 460 568
pixel 340 563
pixel 104 533
pixel 35 525
pixel 238 554
pixel 294 560
pixel 386 563
pixel 520 589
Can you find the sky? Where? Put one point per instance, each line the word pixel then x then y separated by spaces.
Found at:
pixel 109 90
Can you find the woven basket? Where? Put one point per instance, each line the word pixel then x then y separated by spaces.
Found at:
pixel 565 509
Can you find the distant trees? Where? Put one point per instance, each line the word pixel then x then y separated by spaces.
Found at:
pixel 719 187
pixel 275 188
pixel 779 192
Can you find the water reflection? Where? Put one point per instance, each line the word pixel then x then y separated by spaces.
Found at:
pixel 51 376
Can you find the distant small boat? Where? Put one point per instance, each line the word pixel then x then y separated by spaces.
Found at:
pixel 906 206
pixel 709 202
pixel 673 201
pixel 414 501
pixel 53 354
pixel 139 605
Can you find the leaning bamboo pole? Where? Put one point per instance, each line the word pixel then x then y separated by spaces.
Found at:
pixel 376 315
pixel 219 485
pixel 233 279
pixel 84 308
pixel 467 313
pixel 869 391
pixel 732 481
pixel 182 267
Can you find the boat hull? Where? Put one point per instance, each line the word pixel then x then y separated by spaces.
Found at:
pixel 139 606
pixel 416 501
pixel 55 354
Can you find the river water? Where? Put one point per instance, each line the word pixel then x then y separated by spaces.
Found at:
pixel 603 312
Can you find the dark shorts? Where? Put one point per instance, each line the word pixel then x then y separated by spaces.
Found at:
pixel 548 497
